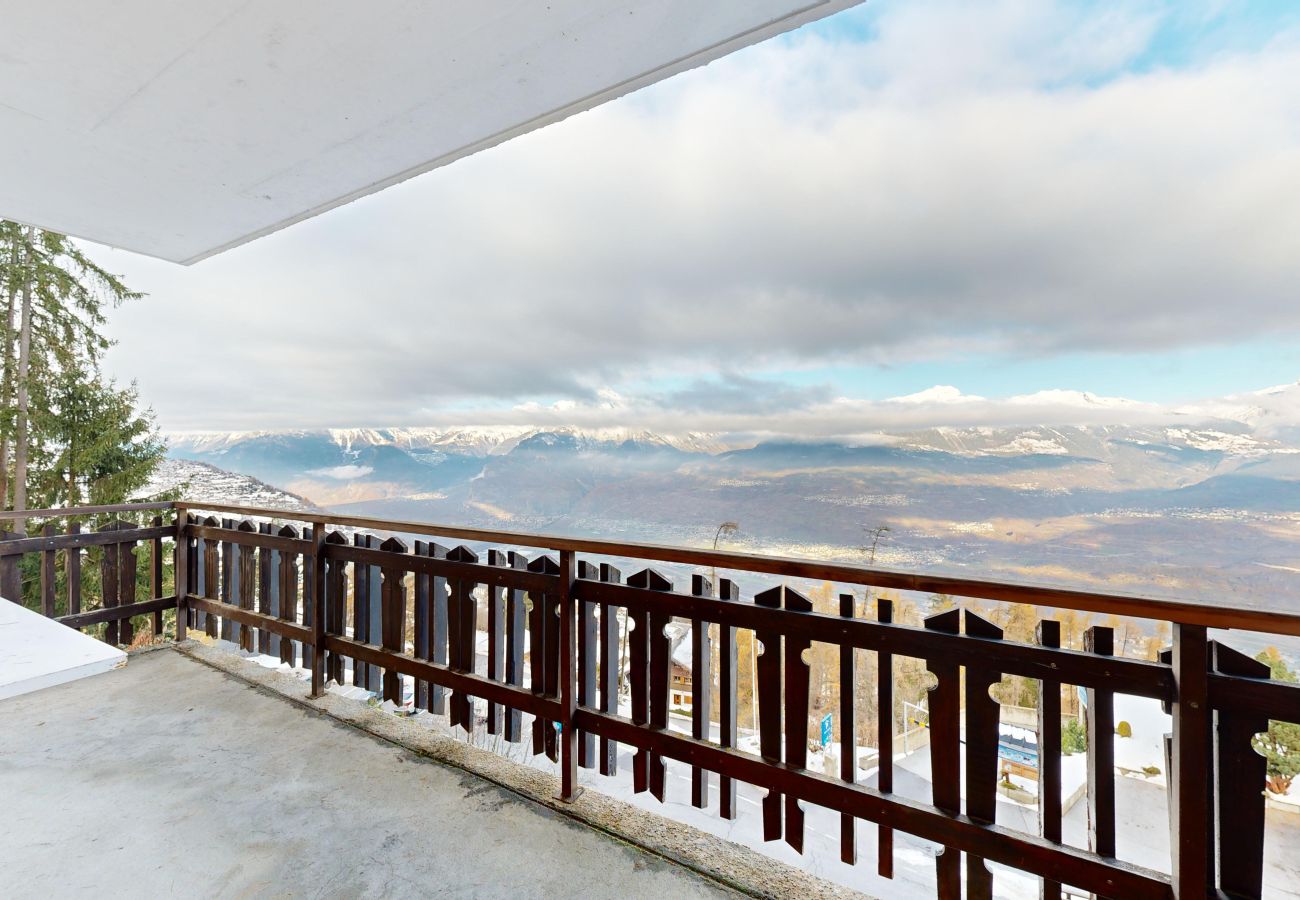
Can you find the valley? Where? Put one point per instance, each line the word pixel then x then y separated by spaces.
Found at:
pixel 1204 510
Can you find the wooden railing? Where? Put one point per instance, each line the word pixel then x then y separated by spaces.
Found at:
pixel 122 571
pixel 341 594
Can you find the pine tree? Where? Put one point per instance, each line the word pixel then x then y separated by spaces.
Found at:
pixel 96 447
pixel 55 301
pixel 1280 745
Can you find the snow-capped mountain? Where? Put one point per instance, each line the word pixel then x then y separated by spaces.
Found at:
pixel 484 440
pixel 198 481
pixel 1203 502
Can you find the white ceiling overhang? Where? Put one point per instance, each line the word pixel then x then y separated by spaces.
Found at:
pixel 183 129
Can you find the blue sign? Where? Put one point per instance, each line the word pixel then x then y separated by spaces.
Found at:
pixel 1018 750
pixel 1083 696
pixel 826 729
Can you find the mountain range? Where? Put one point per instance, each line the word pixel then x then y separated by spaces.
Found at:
pixel 1194 507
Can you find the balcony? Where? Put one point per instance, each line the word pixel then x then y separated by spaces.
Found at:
pixel 524 638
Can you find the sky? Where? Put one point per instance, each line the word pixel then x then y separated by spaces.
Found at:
pixel 961 205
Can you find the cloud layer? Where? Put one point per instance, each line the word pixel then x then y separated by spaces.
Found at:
pixel 1006 180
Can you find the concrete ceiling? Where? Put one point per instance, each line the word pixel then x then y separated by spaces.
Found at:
pixel 180 129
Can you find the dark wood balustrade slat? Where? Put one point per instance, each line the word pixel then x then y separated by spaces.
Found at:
pixel 1191 822
pixel 361 610
pixel 1049 755
pixel 108 583
pixel 228 629
pixel 314 602
pixel 313 608
pixel 769 709
pixel 48 578
pixel 267 602
pixel 586 661
pixel 728 697
pixel 567 674
pixel 156 574
pixel 72 559
pixel 541 647
pixel 701 690
pixel 982 714
pixel 885 740
pixel 1238 805
pixel 127 584
pixel 496 635
pixel 945 750
pixel 246 572
pixel 1100 724
pixel 609 668
pixel 796 716
pixel 848 714
pixel 516 639
pixel 420 600
pixel 286 591
pixel 660 681
pixel 11 587
pixel 462 622
pixel 393 619
pixel 638 640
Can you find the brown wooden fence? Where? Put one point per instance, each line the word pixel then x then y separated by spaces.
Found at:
pixel 324 589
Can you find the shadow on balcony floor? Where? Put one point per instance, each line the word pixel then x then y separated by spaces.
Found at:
pixel 171 778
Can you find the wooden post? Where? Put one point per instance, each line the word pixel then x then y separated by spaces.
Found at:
pixel 108 573
pixel 318 612
pixel 568 682
pixel 181 564
pixel 47 574
pixel 156 576
pixel 1189 805
pixel 73 562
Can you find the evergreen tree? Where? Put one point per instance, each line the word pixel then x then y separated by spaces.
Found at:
pixel 55 301
pixel 1280 745
pixel 97 447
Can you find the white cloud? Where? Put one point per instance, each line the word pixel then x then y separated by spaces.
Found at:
pixel 971 179
pixel 940 393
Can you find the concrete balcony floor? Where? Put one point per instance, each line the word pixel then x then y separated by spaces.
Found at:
pixel 171 778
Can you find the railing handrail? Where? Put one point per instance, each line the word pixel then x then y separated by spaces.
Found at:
pixel 69 512
pixel 1222 616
